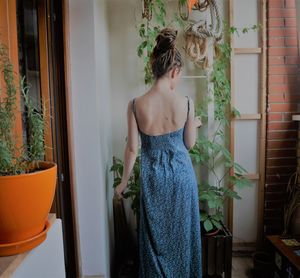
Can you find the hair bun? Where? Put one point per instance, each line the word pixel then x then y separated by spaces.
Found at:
pixel 165 40
pixel 165 54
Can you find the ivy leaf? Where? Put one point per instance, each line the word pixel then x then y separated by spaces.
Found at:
pixel 245 30
pixel 236 113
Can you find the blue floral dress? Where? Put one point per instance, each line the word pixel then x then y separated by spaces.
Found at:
pixel 169 224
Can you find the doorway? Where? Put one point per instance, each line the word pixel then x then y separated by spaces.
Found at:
pixel 41 61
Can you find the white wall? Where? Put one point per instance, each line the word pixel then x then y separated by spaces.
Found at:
pixel 90 109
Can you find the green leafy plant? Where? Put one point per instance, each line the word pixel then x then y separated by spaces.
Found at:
pixel 16 157
pixel 214 153
pixel 133 187
pixel 148 30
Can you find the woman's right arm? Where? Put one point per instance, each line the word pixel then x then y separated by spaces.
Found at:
pixel 192 123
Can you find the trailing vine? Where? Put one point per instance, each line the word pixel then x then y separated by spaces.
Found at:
pixel 148 30
pixel 213 153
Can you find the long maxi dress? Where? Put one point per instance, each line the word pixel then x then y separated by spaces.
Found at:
pixel 169 224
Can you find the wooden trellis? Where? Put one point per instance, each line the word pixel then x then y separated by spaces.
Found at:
pixel 260 117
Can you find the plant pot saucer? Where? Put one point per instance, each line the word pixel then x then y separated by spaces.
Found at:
pixel 14 248
pixel 212 233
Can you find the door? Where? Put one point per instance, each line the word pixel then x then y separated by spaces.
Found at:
pixel 41 61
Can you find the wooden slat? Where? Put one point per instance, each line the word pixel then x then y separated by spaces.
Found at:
pixel 252 176
pixel 262 142
pixel 231 144
pixel 257 50
pixel 67 67
pixel 44 73
pixel 248 117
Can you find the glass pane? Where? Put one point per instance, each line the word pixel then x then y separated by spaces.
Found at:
pixel 246 14
pixel 246 86
pixel 28 46
pixel 245 147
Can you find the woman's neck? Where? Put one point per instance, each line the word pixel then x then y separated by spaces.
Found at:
pixel 162 86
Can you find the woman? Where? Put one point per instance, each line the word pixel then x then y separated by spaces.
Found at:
pixel 169 234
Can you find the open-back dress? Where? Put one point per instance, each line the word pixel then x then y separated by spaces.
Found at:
pixel 169 224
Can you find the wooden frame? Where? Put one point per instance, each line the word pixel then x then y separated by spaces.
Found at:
pixel 257 50
pixel 44 72
pixel 263 107
pixel 248 117
pixel 53 78
pixel 8 36
pixel 260 177
pixel 66 34
pixel 231 146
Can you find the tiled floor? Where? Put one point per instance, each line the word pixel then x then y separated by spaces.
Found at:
pixel 242 266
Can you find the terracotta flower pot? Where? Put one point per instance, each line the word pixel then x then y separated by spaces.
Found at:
pixel 25 202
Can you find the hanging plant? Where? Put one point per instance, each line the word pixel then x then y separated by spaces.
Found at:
pixel 213 153
pixel 198 32
pixel 148 30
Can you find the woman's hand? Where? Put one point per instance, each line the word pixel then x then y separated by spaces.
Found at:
pixel 197 121
pixel 119 190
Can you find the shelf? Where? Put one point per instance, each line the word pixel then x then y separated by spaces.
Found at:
pixel 9 264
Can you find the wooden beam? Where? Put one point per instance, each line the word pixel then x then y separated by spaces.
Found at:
pixel 69 115
pixel 252 176
pixel 44 75
pixel 248 117
pixel 262 135
pixel 231 138
pixel 256 50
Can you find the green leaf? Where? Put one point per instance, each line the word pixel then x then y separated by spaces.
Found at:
pixel 245 30
pixel 208 225
pixel 203 215
pixel 216 223
pixel 236 113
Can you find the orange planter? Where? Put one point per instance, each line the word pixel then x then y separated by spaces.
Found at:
pixel 25 202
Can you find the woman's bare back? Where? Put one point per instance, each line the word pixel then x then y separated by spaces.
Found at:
pixel 160 113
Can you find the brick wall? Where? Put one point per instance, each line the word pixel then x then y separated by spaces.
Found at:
pixel 282 100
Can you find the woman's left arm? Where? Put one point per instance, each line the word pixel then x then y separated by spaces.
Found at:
pixel 131 150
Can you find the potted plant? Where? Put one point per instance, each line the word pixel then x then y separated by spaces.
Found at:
pixel 27 183
pixel 126 258
pixel 133 187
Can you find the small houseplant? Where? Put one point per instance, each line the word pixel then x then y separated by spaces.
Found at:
pixel 27 183
pixel 133 188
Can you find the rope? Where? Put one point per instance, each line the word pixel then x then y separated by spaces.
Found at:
pixel 197 33
pixel 198 6
pixel 201 30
